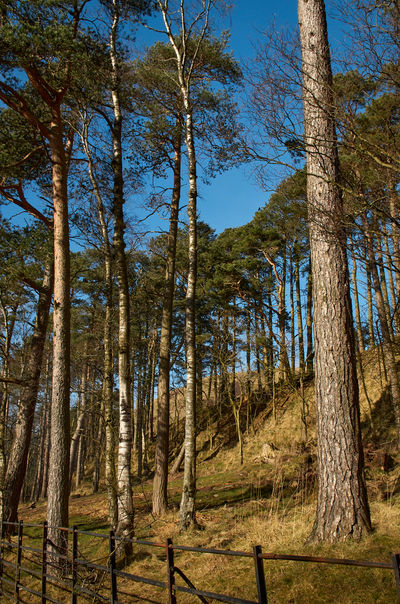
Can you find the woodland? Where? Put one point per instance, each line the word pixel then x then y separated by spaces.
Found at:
pixel 117 349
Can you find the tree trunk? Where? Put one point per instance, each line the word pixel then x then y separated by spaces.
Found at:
pixel 58 485
pixel 390 266
pixel 108 374
pixel 382 279
pixel 393 201
pixel 309 323
pixel 125 501
pixel 140 387
pixel 160 497
pixel 387 341
pixel 187 511
pixel 371 331
pixel 299 313
pixel 233 355
pixel 46 456
pixel 292 332
pixel 342 509
pixel 360 336
pixel 281 288
pixel 17 463
pixel 9 328
pixel 80 420
pixel 41 459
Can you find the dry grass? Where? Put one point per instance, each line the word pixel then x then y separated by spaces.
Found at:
pixel 269 500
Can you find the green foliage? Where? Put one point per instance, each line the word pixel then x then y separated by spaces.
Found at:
pixel 157 101
pixel 46 38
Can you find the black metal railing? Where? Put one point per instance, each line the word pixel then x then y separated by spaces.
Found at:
pixel 41 572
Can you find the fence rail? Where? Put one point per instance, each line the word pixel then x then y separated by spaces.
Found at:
pixel 26 571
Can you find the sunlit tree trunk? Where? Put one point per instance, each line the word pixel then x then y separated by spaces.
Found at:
pixel 309 323
pixel 387 334
pixel 187 513
pixel 18 457
pixel 393 201
pixel 80 420
pixel 299 312
pixel 342 508
pixel 108 372
pixel 160 496
pixel 125 501
pixel 292 333
pixel 58 483
pixel 382 278
pixel 360 336
pixel 391 266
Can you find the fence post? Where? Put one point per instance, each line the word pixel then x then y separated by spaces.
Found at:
pixel 19 559
pixel 113 576
pixel 44 562
pixel 260 576
pixel 169 551
pixel 396 570
pixel 74 565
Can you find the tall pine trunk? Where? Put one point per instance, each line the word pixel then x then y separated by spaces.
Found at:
pixel 342 508
pixel 160 496
pixel 58 481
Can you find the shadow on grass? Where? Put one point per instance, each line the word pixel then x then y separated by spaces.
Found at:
pixel 210 497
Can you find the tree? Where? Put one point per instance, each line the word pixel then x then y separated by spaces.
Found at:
pixel 159 101
pixel 186 35
pixel 57 57
pixel 108 376
pixel 342 509
pixel 117 10
pixel 125 502
pixel 18 139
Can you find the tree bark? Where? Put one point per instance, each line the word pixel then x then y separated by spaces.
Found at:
pixel 17 462
pixel 371 331
pixel 80 422
pixel 125 501
pixel 387 341
pixel 108 374
pixel 160 495
pixel 393 201
pixel 292 331
pixel 360 337
pixel 187 511
pixel 309 324
pixel 299 312
pixel 58 485
pixel 342 508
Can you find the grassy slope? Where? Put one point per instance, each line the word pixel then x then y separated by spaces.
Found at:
pixel 269 500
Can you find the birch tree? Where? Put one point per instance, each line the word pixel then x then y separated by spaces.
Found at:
pixel 186 28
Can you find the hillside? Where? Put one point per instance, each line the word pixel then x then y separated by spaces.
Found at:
pixel 268 500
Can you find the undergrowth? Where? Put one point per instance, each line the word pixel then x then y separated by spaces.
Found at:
pixel 268 500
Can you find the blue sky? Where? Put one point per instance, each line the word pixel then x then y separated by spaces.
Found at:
pixel 231 199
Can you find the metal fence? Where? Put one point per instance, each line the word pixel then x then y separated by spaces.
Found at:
pixel 31 573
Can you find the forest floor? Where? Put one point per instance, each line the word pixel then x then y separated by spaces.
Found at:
pixel 268 500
